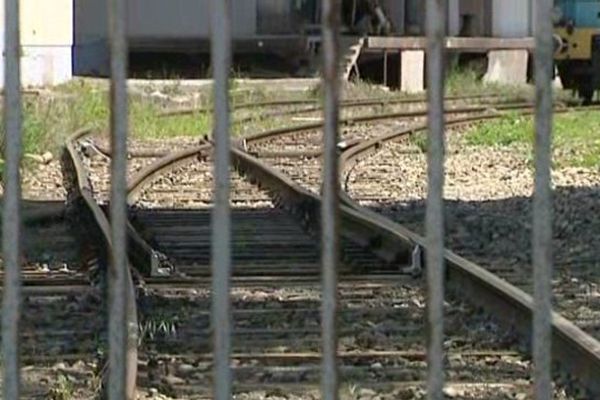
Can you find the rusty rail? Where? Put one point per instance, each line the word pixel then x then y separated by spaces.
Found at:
pixel 82 201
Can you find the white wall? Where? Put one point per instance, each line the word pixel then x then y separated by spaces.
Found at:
pixel 46 31
pixel 510 18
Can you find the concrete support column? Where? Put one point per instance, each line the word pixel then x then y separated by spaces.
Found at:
pixel 46 40
pixel 412 71
pixel 507 67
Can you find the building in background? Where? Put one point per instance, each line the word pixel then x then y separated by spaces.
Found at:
pixel 66 37
pixel 46 41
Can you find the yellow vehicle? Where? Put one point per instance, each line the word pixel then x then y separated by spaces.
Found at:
pixel 577 45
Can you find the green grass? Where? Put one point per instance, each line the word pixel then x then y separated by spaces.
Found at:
pixel 576 136
pixel 48 119
pixel 469 80
pixel 62 389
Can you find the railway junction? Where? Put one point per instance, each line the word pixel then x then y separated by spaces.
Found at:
pixel 275 199
pixel 302 239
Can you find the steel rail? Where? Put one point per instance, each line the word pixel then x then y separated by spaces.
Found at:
pixel 343 103
pixel 350 156
pixel 81 197
pixel 160 166
pixel 144 257
pixel 254 138
pixel 283 113
pixel 173 159
pixel 575 351
pixel 270 134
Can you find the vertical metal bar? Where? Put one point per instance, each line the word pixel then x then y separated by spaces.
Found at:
pixel 11 218
pixel 330 208
pixel 118 298
pixel 221 218
pixel 542 212
pixel 436 28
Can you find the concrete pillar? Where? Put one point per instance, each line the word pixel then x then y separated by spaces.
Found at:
pixel 412 71
pixel 46 41
pixel 507 67
pixel 510 18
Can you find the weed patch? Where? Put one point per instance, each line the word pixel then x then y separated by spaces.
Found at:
pixel 576 136
pixel 49 119
pixel 62 390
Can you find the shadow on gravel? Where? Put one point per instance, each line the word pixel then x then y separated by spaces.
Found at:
pixel 498 232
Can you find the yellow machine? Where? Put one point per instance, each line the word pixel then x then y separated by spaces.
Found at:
pixel 577 45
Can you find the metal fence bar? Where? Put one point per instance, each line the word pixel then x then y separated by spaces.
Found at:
pixel 436 22
pixel 11 218
pixel 542 212
pixel 117 284
pixel 221 218
pixel 330 207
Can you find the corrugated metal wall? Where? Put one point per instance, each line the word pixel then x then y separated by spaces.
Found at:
pixel 149 19
pixel 396 13
pixel 481 20
pixel 157 19
pixel 275 17
pixel 511 18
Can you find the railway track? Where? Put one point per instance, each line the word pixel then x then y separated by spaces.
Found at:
pixel 276 280
pixel 271 245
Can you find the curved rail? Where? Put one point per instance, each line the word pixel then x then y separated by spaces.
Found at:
pixel 171 160
pixel 352 148
pixel 350 156
pixel 81 197
pixel 268 135
pixel 575 351
pixel 167 162
pixel 314 107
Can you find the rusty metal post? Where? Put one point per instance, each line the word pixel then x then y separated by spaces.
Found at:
pixel 542 211
pixel 436 28
pixel 122 324
pixel 11 212
pixel 221 217
pixel 330 208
